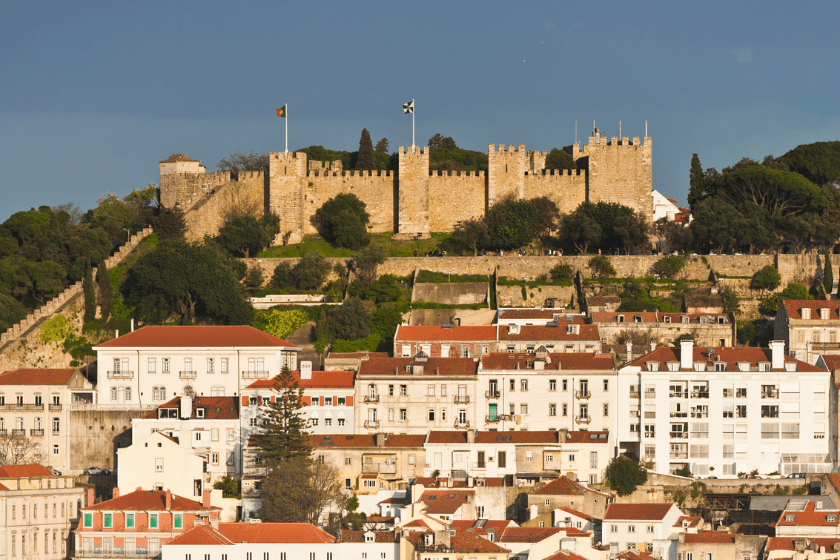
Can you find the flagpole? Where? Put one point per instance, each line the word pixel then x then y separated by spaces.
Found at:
pixel 286 114
pixel 412 124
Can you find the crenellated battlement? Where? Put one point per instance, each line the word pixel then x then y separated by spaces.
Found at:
pixel 413 152
pixel 491 148
pixel 456 174
pixel 556 173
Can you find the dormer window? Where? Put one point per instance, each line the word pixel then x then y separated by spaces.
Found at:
pixel 199 413
pixel 743 366
pixel 824 313
pixel 721 320
pixel 667 318
pixel 699 366
pixel 805 312
pixel 429 539
pixel 673 366
pixel 637 318
pixel 831 518
pixel 684 319
pixel 790 518
pixel 790 366
pixel 720 366
pixel 764 366
pixel 652 366
pixel 369 537
pixel 621 318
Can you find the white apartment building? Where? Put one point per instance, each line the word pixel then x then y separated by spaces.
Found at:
pixel 154 364
pixel 35 404
pixel 532 316
pixel 415 395
pixel 723 411
pixel 328 398
pixel 37 512
pixel 546 391
pixel 808 328
pixel 569 334
pixel 207 431
pixel 650 527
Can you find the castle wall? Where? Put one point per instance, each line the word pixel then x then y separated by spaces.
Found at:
pixel 413 192
pixel 185 189
pixel 620 171
pixel 286 172
pixel 208 214
pixel 505 172
pixel 565 187
pixel 536 161
pixel 374 188
pixel 455 197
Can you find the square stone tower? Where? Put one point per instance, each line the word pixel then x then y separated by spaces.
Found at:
pixel 413 193
pixel 506 172
pixel 620 171
pixel 287 173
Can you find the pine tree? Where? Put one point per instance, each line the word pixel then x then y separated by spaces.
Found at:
pixel 90 294
pixel 382 146
pixel 103 280
pixel 695 182
pixel 828 274
pixel 366 161
pixel 284 427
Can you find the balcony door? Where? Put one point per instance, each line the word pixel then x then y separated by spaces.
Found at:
pixel 492 411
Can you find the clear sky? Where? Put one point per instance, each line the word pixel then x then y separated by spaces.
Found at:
pixel 94 94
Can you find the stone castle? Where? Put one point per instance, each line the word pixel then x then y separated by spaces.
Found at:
pixel 413 201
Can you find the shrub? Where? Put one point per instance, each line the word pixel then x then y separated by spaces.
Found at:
pixel 768 278
pixel 282 277
pixel 561 273
pixel 254 277
pixel 669 266
pixel 625 475
pixel 344 221
pixel 601 266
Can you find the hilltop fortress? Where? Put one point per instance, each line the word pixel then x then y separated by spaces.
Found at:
pixel 413 201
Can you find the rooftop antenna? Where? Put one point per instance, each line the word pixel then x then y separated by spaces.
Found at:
pixel 646 129
pixel 619 129
pixel 575 132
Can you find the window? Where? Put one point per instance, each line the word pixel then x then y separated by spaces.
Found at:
pixel 229 460
pixel 431 415
pixel 406 351
pixel 56 425
pixel 55 449
pixel 549 458
pixel 547 502
pixel 113 394
pixel 254 422
pixel 403 390
pixel 513 384
pixel 523 385
pixel 328 421
pixel 565 409
pixel 465 351
pixel 178 522
pixel 613 528
pixel 88 520
pixel 341 421
pixel 153 521
pixel 552 410
pixel 523 408
pixel 158 465
pixel 571 457
pixel 593 459
pixel 430 391
pixel 443 415
pixel 230 434
pixel 606 410
pixel 631 528
pixel 552 384
pixel 107 520
pixel 214 458
pixel 403 414
pixel 224 364
pixel 164 365
pixel 214 434
pixel 211 365
pixel 152 365
pixel 606 384
pixel 129 521
pixel 341 401
pixel 316 401
pixel 443 390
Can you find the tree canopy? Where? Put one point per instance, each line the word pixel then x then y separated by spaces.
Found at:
pixel 818 162
pixel 511 223
pixel 559 159
pixel 238 161
pixel 607 226
pixel 625 475
pixel 284 429
pixel 246 235
pixel 344 220
pixel 366 159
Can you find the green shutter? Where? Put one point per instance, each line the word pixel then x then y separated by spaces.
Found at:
pixel 88 520
pixel 129 520
pixel 153 521
pixel 178 521
pixel 107 520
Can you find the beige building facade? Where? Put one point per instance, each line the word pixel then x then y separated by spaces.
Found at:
pixel 808 328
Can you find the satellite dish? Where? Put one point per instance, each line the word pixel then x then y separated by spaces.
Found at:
pixel 710 352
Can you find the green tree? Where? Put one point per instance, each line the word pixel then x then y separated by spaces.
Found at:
pixel 669 266
pixel 382 146
pixel 441 142
pixel 818 162
pixel 103 280
pixel 11 312
pixel 343 221
pixel 230 487
pixel 625 475
pixel 695 182
pixel 472 233
pixel 351 321
pixel 284 430
pixel 254 277
pixel 601 266
pixel 90 295
pixel 311 271
pixel 607 226
pixel 792 291
pixel 766 279
pixel 366 262
pixel 561 273
pixel 511 223
pixel 731 302
pixel 244 235
pixel 299 490
pixel 828 273
pixel 559 159
pixel 386 288
pixel 236 162
pixel 282 277
pixel 581 230
pixel 278 322
pixel 171 223
pixel 366 160
pixel 547 214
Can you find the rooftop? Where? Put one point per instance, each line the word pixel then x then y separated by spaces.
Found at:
pixel 485 437
pixel 421 333
pixel 148 500
pixel 546 314
pixel 564 486
pixel 190 336
pixel 715 537
pixel 445 501
pixel 637 512
pixel 540 332
pixel 551 362
pixel 320 380
pixel 37 376
pixel 462 542
pixel 794 307
pixel 601 437
pixel 215 408
pixel 178 157
pixel 359 536
pixel 430 366
pixel 230 533
pixel 655 317
pixel 23 471
pixel 727 355
pixel 799 514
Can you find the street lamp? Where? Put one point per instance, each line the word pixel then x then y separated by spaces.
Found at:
pixel 127 234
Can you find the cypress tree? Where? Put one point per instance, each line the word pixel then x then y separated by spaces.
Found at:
pixel 90 294
pixel 695 182
pixel 828 274
pixel 284 428
pixel 103 280
pixel 366 159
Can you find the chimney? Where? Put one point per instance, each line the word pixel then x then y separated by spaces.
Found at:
pixel 379 439
pixel 471 436
pixel 306 369
pixel 686 354
pixel 115 493
pixel 205 498
pixel 777 354
pixel 169 499
pixel 629 351
pixel 186 407
pixel 116 333
pixel 90 497
pixel 132 324
pixel 652 346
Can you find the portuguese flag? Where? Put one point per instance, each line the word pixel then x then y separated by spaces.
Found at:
pixel 282 112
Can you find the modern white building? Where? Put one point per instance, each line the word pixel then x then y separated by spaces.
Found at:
pixel 155 363
pixel 546 391
pixel 724 411
pixel 649 527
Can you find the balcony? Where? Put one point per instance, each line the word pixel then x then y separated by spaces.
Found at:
pixel 650 414
pixel 56 433
pixel 821 346
pixel 679 435
pixel 492 394
pixel 583 419
pixel 679 415
pixel 118 552
pixel 187 374
pixel 678 394
pixel 462 399
pixel 121 374
pixel 463 425
pixel 380 468
pixel 492 419
pixel 634 394
pixel 371 424
pixel 55 408
pixel 679 455
pixel 582 394
pixel 772 394
pixel 700 394
pixel 24 407
pixel 650 394
pixel 372 398
pixel 255 374
pixel 36 433
pixel 253 470
pixel 699 414
pixel 3 432
pixel 18 432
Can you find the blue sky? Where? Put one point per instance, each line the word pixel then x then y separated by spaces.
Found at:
pixel 94 94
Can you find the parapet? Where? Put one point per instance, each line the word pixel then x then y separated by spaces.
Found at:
pixel 556 173
pixel 492 148
pixel 461 174
pixel 413 150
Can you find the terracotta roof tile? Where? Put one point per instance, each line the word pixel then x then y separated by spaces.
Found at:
pixel 535 437
pixel 561 486
pixel 599 437
pixel 422 333
pixel 341 440
pixel 810 517
pixel 602 300
pixel 275 533
pixel 3 488
pixel 320 380
pixel 360 355
pixel 417 523
pixel 359 536
pixel 37 376
pixel 561 361
pixel 176 158
pixel 632 554
pixel 547 314
pixel 730 356
pixel 443 482
pixel 832 361
pixel 150 500
pixel 397 366
pixel 653 317
pixel 395 500
pixel 637 512
pixel 542 333
pixel 787 543
pixel 215 408
pixel 200 535
pixel 579 514
pixel 445 501
pixel 23 471
pixel 463 542
pixel 716 537
pixel 189 336
pixel 565 555
pixel 528 534
pixel 497 525
pixel 405 440
pixel 692 521
pixel 793 307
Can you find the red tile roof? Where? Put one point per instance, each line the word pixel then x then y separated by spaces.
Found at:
pixel 201 535
pixel 632 554
pixel 514 438
pixel 37 376
pixel 177 157
pixel 445 501
pixel 637 512
pixel 463 542
pixel 542 333
pixel 395 500
pixel 602 300
pixel 528 534
pixel 810 517
pixel 405 440
pixel 692 521
pixel 565 555
pixel 832 361
pixel 653 317
pixel 579 514
pixel 786 543
pixel 3 488
pixel 547 314
pixel 715 537
pixel 793 307
pixel 417 523
pixel 443 482
pixel 23 471
pixel 599 437
pixel 433 366
pixel 561 486
pixel 730 356
pixel 275 533
pixel 228 336
pixel 497 525
pixel 216 408
pixel 422 333
pixel 341 440
pixel 359 355
pixel 555 361
pixel 359 536
pixel 320 380
pixel 150 500
pixel 834 478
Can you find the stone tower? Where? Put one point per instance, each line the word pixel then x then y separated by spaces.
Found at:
pixel 506 172
pixel 412 190
pixel 287 173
